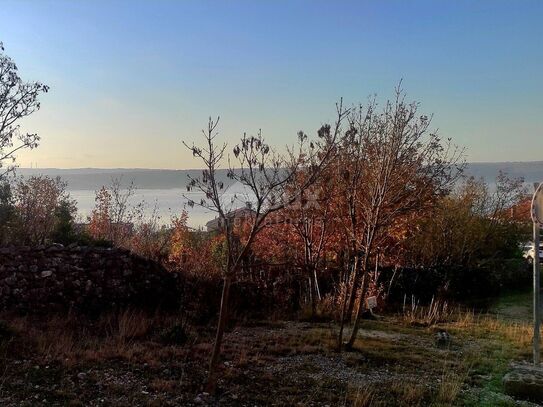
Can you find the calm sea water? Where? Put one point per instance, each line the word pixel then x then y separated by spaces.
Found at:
pixel 168 203
pixel 164 188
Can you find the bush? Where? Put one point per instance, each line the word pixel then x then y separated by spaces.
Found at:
pixel 459 283
pixel 7 213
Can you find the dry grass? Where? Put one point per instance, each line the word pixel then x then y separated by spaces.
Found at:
pixel 363 397
pixel 408 393
pixel 467 322
pixel 518 334
pixel 127 335
pixel 128 325
pixel 396 393
pixel 452 381
pixel 60 347
pixel 402 354
pixel 415 314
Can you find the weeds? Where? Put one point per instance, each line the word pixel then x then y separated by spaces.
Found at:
pixel 281 357
pixel 451 384
pixel 397 393
pixel 127 325
pixel 363 397
pixel 415 314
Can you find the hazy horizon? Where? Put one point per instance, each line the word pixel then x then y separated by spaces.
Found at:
pixel 157 178
pixel 199 169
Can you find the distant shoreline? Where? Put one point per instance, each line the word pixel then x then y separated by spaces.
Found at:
pixel 95 178
pixel 135 169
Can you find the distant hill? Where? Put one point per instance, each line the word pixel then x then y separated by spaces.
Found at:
pixel 94 178
pixel 531 171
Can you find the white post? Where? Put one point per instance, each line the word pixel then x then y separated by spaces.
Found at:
pixel 537 295
pixel 537 218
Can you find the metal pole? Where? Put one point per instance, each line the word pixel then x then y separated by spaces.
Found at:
pixel 537 295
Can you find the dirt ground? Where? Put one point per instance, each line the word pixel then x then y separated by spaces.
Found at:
pixel 134 359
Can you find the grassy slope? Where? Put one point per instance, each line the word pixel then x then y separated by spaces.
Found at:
pixel 137 359
pixel 510 338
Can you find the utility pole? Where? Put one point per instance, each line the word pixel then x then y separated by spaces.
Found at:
pixel 537 218
pixel 537 295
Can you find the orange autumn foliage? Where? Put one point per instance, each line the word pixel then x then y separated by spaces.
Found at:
pixel 194 252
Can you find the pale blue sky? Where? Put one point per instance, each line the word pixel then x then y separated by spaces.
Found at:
pixel 130 80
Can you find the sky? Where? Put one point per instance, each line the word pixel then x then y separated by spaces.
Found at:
pixel 131 80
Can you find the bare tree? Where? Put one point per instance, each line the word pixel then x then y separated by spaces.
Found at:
pixel 397 166
pixel 311 219
pixel 267 176
pixel 18 99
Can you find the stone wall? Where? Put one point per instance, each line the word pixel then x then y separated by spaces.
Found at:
pixel 86 279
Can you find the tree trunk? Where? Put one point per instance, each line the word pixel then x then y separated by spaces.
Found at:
pixel 354 287
pixel 391 282
pixel 312 297
pixel 359 312
pixel 364 286
pixel 223 316
pixel 317 288
pixel 342 324
pixel 343 317
pixel 314 288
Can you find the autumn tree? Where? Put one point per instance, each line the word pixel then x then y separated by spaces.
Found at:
pixel 266 175
pixel 303 231
pixel 38 202
pixel 114 213
pixel 18 99
pixel 194 252
pixel 470 225
pixel 395 165
pixel 150 238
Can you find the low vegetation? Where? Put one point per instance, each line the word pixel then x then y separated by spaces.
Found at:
pixel 132 357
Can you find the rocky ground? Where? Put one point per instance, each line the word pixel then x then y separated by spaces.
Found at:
pixel 136 359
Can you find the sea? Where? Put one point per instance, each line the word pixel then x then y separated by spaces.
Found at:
pixel 164 192
pixel 165 204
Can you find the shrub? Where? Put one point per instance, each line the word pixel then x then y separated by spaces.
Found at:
pixel 43 210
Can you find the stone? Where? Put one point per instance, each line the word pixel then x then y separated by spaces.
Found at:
pixel 201 398
pixel 443 338
pixel 46 273
pixel 524 381
pixel 82 376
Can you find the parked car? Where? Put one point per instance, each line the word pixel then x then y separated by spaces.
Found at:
pixel 528 252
